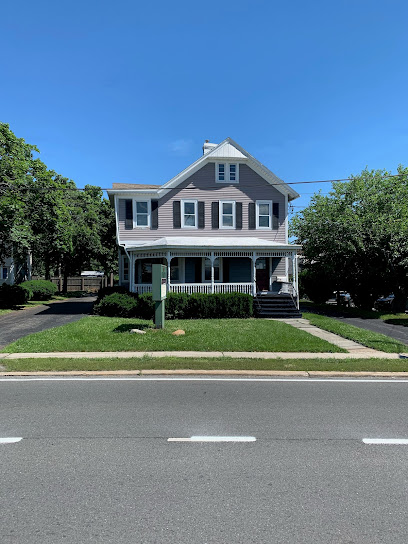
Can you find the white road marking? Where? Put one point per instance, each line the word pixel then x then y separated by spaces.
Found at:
pixel 142 379
pixel 214 439
pixel 397 441
pixel 10 439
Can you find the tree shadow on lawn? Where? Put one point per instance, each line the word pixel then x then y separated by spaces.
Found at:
pixel 403 322
pixel 126 327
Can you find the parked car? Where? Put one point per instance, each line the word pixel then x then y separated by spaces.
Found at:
pixel 345 298
pixel 384 302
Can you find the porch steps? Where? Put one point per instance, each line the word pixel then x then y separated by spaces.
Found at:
pixel 274 305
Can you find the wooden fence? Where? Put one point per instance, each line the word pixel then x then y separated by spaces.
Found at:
pixel 81 283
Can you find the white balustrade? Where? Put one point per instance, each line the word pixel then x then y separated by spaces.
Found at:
pixel 190 288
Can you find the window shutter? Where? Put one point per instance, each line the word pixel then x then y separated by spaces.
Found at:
pixel 215 215
pixel 275 215
pixel 155 214
pixel 251 215
pixel 128 214
pixel 176 214
pixel 201 212
pixel 238 215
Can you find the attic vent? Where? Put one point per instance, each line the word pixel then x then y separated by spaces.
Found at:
pixel 207 146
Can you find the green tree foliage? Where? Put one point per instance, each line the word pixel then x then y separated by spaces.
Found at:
pixel 41 211
pixel 356 238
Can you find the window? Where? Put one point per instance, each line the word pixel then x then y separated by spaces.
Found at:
pixel 226 172
pixel 263 214
pixel 142 213
pixel 175 269
pixel 4 273
pixel 189 214
pixel 227 214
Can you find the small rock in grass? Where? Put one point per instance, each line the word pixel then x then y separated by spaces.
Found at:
pixel 178 332
pixel 137 331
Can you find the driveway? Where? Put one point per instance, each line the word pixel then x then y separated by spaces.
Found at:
pixel 398 332
pixel 20 323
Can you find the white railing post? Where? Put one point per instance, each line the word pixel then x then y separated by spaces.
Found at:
pixel 212 271
pixel 253 273
pixel 168 258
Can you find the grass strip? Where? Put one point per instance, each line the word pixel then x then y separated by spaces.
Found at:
pixel 367 338
pixel 222 363
pixel 98 333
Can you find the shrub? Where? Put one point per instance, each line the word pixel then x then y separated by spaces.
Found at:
pixel 12 295
pixel 145 309
pixel 39 289
pixel 117 305
pixel 103 291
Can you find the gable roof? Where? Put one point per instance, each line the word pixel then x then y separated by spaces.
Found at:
pixel 134 186
pixel 228 149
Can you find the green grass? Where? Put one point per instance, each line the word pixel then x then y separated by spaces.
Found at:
pixel 3 312
pixel 222 363
pixel 366 338
pixel 112 334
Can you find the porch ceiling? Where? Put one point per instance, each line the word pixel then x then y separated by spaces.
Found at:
pixel 208 243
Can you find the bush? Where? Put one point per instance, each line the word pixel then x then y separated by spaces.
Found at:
pixel 178 306
pixel 39 289
pixel 117 305
pixel 12 295
pixel 103 291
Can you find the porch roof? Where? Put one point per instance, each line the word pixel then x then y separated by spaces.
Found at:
pixel 208 243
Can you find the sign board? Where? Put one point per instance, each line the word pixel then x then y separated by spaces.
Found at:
pixel 159 281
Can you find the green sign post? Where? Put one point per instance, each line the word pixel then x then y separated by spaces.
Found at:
pixel 159 291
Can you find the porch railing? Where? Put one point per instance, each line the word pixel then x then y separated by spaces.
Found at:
pixel 190 288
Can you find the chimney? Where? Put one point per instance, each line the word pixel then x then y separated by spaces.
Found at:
pixel 207 146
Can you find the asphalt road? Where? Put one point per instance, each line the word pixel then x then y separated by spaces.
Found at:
pixel 15 325
pixel 94 464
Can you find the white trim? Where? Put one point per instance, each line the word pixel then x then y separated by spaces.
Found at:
pixel 149 213
pixel 189 201
pixel 227 172
pixel 258 203
pixel 286 220
pixel 221 226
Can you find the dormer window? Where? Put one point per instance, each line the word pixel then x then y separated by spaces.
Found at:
pixel 227 172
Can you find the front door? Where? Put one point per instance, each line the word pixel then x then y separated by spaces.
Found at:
pixel 262 274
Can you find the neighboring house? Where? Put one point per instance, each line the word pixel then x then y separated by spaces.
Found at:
pixel 220 226
pixel 12 271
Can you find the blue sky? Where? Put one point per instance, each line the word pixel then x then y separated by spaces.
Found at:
pixel 128 91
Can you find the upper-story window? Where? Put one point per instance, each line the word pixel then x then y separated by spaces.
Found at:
pixel 227 172
pixel 227 214
pixel 263 214
pixel 142 215
pixel 189 213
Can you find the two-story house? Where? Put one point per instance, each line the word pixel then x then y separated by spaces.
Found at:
pixel 220 226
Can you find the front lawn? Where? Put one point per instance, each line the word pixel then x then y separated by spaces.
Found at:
pixel 219 363
pixel 112 334
pixel 367 338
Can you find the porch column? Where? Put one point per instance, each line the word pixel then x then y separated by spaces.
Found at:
pixel 134 278
pixel 270 274
pixel 131 272
pixel 212 258
pixel 168 258
pixel 253 278
pixel 297 280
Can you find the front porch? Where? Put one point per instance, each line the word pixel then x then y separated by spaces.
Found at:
pixel 249 272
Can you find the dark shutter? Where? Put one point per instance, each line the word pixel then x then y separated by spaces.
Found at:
pixel 215 215
pixel 155 214
pixel 201 212
pixel 275 215
pixel 176 214
pixel 238 215
pixel 128 214
pixel 251 215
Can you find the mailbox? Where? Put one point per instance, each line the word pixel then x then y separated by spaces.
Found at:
pixel 159 281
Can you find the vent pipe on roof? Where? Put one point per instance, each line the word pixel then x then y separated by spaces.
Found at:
pixel 207 146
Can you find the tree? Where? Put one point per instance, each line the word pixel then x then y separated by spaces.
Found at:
pixel 357 236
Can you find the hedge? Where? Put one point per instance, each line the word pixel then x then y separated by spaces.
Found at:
pixel 178 306
pixel 39 289
pixel 12 295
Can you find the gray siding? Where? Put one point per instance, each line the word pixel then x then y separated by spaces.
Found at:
pixel 202 186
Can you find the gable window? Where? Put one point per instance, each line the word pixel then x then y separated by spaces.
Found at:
pixel 227 214
pixel 142 213
pixel 263 214
pixel 226 172
pixel 189 214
